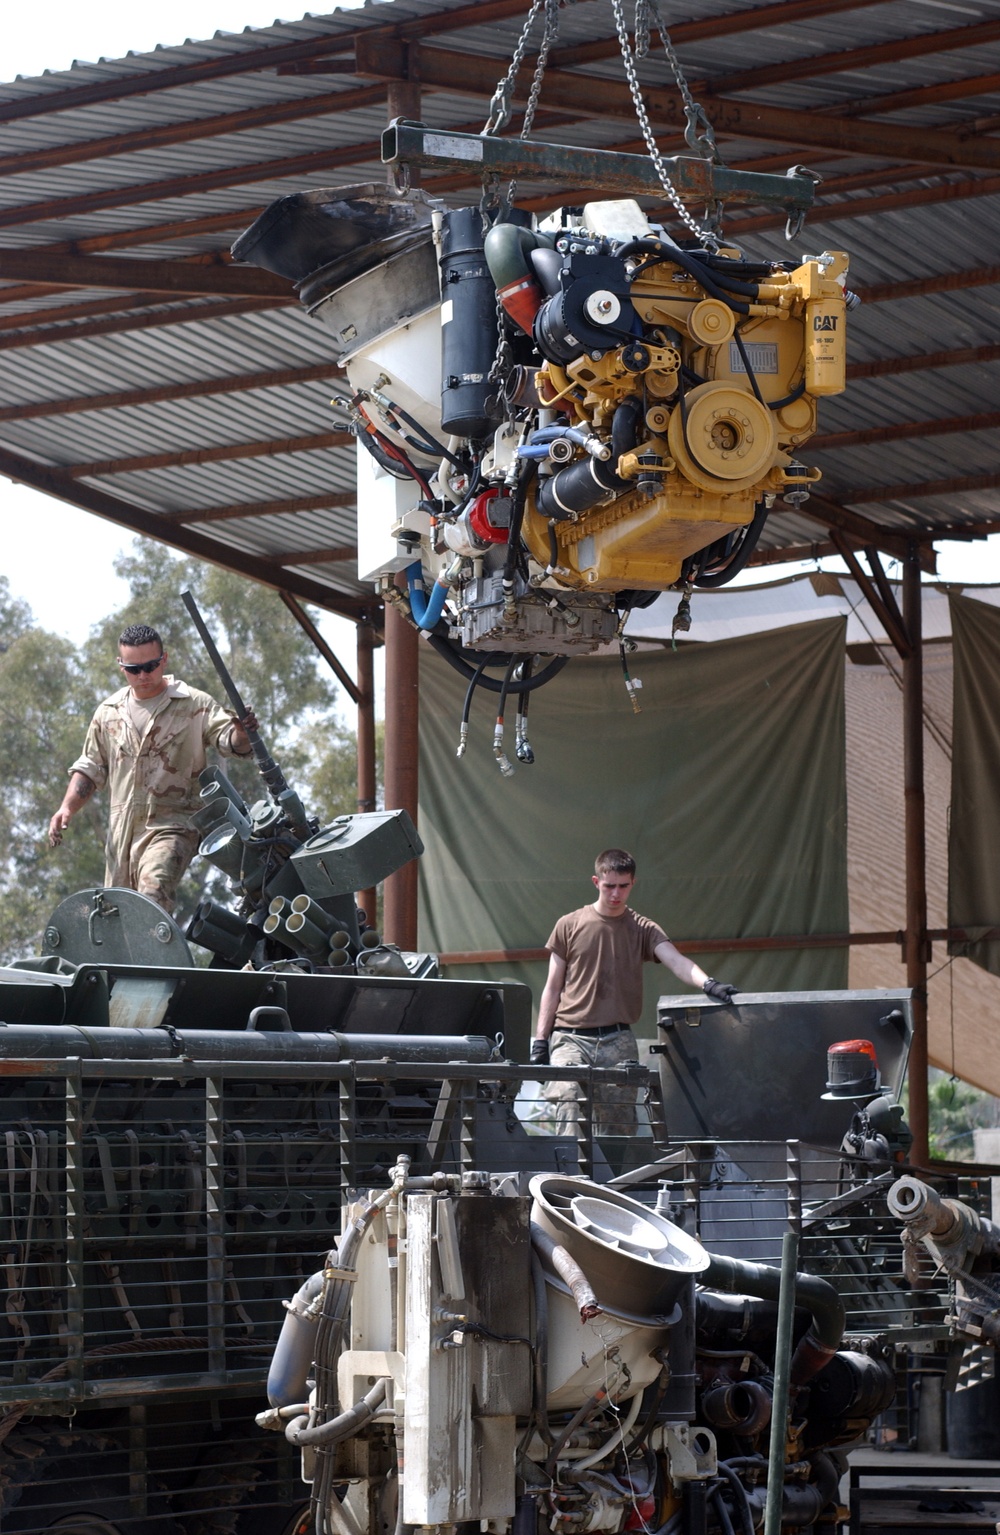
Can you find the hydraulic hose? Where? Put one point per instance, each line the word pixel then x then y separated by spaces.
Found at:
pixel 710 278
pixel 588 481
pixel 737 561
pixel 735 1276
pixel 294 1351
pixel 453 655
pixel 665 250
pixel 341 1427
pixel 426 610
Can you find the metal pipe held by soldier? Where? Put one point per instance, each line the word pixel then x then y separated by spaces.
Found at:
pixel 269 770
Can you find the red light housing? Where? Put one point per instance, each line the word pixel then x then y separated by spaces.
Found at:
pixel 852 1069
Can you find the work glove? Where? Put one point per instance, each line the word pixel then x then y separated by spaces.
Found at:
pixel 539 1052
pixel 719 991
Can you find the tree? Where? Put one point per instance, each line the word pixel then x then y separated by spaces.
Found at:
pixel 955 1110
pixel 48 691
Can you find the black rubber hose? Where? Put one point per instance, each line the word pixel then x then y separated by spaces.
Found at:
pixel 588 481
pixel 719 1504
pixel 735 1276
pixel 666 250
pixel 432 443
pixel 505 686
pixel 473 684
pixel 625 426
pixel 746 1512
pixel 750 540
pixel 452 655
pixel 520 498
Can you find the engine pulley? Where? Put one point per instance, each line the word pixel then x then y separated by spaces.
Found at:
pixel 722 433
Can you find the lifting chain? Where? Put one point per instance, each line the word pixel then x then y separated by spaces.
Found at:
pixel 500 105
pixel 628 59
pixel 698 133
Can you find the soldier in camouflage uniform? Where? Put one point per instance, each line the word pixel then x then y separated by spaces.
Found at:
pixel 148 742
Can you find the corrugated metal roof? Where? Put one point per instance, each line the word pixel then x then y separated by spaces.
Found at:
pixel 166 156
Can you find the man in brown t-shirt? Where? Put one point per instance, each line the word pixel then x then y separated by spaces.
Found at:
pixel 593 993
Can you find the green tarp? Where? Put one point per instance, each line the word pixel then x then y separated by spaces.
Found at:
pixel 974 832
pixel 729 789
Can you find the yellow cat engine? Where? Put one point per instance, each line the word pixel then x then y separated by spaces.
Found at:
pixel 688 382
pixel 556 419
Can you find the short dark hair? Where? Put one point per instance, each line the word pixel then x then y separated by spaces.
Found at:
pixel 139 634
pixel 614 860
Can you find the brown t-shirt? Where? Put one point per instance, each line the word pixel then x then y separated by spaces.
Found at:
pixel 604 959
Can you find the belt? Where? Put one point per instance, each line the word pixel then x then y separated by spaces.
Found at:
pixel 598 1031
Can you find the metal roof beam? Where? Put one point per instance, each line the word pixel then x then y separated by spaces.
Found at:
pixel 126 274
pixel 920 490
pixel 917 362
pixel 308 627
pixel 941 282
pixel 891 202
pixel 188 186
pixel 940 426
pixel 186 314
pixel 923 96
pixel 784 13
pixel 189 130
pixel 334 554
pixel 152 234
pixel 479 12
pixel 834 514
pixel 221 452
pixel 325 501
pixel 963 531
pixel 234 383
pixel 850 58
pixel 53 482
pixel 442 70
pixel 214 180
pixel 793 553
pixel 30 320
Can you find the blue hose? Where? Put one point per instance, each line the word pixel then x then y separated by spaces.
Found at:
pixel 426 610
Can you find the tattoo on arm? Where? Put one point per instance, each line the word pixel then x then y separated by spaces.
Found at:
pixel 83 785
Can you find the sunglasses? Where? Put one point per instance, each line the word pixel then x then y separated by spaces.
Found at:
pixel 135 668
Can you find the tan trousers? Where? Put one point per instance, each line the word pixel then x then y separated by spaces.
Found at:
pixel 614 1107
pixel 154 863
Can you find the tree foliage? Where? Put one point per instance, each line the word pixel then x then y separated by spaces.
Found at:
pixel 48 691
pixel 955 1110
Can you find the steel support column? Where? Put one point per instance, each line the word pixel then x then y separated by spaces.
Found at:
pixel 916 850
pixel 366 743
pixel 402 694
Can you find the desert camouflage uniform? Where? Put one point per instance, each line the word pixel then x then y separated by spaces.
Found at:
pixel 153 784
pixel 614 1107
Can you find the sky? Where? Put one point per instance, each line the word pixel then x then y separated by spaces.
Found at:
pixel 58 558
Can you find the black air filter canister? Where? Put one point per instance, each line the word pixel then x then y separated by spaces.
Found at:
pixel 468 326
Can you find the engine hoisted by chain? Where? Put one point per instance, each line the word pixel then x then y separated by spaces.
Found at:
pixel 560 417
